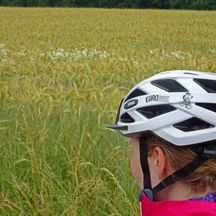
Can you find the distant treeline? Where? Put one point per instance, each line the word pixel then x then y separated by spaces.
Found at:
pixel 163 4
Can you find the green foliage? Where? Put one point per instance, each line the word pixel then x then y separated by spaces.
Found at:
pixel 163 4
pixel 63 73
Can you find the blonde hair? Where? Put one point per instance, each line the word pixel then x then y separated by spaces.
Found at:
pixel 198 180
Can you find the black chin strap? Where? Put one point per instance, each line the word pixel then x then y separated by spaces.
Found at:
pixel 182 172
pixel 144 163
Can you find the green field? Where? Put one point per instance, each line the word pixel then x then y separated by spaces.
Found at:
pixel 62 75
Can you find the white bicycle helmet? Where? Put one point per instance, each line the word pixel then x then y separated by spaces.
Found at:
pixel 178 106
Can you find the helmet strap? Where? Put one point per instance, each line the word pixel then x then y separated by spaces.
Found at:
pixel 145 167
pixel 182 172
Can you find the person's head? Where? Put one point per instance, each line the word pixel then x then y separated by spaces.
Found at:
pixel 171 120
pixel 164 159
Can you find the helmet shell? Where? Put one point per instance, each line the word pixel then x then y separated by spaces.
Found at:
pixel 179 106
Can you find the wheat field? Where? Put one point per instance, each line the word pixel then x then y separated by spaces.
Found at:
pixel 62 75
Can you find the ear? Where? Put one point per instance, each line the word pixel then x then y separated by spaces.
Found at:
pixel 160 162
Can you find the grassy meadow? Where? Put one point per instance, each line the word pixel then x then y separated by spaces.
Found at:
pixel 62 75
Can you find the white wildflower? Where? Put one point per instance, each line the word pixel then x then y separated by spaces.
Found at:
pixel 3 52
pixel 212 51
pixel 77 54
pixel 21 53
pixel 180 54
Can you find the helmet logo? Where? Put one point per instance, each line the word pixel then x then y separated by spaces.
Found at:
pixel 131 104
pixel 186 100
pixel 157 98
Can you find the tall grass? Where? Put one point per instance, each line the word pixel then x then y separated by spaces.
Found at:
pixel 62 75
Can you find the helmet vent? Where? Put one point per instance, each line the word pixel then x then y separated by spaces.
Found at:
pixel 135 93
pixel 208 106
pixel 154 111
pixel 208 85
pixel 126 118
pixel 189 73
pixel 192 124
pixel 169 85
